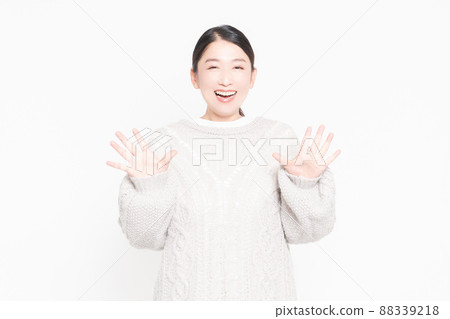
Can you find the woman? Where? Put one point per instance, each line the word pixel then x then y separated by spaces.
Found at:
pixel 222 204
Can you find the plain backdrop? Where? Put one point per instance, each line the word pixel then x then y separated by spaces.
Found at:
pixel 375 73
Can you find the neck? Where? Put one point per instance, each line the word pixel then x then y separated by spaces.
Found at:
pixel 216 117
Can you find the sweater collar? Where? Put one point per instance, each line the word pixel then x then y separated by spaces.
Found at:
pixel 241 121
pixel 226 128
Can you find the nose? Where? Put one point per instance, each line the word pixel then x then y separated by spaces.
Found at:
pixel 225 78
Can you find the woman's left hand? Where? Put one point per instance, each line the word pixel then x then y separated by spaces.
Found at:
pixel 309 163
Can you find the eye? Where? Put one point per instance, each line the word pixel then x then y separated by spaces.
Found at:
pixel 211 67
pixel 240 67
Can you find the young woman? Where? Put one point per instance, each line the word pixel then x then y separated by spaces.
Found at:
pixel 231 194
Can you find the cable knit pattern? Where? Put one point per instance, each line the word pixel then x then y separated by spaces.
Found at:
pixel 225 227
pixel 145 205
pixel 307 206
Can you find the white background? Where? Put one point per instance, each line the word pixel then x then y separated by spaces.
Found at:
pixel 73 73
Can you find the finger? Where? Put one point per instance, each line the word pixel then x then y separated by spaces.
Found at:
pixel 130 146
pixel 297 160
pixel 304 147
pixel 145 161
pixel 148 158
pixel 331 158
pixel 141 140
pixel 326 144
pixel 120 166
pixel 122 152
pixel 166 159
pixel 315 152
pixel 283 160
pixel 319 134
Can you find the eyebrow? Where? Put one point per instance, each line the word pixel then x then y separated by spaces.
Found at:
pixel 217 60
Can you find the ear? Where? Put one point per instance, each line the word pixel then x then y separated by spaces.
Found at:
pixel 253 77
pixel 194 79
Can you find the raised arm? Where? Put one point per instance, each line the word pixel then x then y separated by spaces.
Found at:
pixel 307 206
pixel 147 194
pixel 146 208
pixel 307 189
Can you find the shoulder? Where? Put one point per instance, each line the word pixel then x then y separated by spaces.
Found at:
pixel 278 128
pixel 169 129
pixel 160 138
pixel 169 126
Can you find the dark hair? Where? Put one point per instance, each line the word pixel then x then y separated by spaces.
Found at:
pixel 227 33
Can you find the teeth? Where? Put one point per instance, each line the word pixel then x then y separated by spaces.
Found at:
pixel 225 93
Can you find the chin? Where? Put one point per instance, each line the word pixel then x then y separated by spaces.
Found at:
pixel 225 111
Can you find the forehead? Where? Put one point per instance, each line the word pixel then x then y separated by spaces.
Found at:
pixel 223 51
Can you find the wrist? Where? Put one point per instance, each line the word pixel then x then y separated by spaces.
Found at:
pixel 150 182
pixel 303 182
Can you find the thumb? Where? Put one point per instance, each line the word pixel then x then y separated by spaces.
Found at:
pixel 167 158
pixel 283 160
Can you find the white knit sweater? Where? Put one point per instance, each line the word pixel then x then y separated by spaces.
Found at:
pixel 224 228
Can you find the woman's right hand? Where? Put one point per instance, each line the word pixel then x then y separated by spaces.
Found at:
pixel 142 161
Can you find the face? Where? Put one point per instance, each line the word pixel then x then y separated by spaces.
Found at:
pixel 223 69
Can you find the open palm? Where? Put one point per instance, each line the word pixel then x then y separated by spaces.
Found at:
pixel 142 160
pixel 309 162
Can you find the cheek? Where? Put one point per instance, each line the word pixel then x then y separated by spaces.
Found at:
pixel 210 79
pixel 205 79
pixel 243 85
pixel 244 79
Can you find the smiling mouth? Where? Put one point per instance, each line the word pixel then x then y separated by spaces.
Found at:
pixel 223 94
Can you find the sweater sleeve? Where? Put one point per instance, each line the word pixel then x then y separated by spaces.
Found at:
pixel 307 206
pixel 146 208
